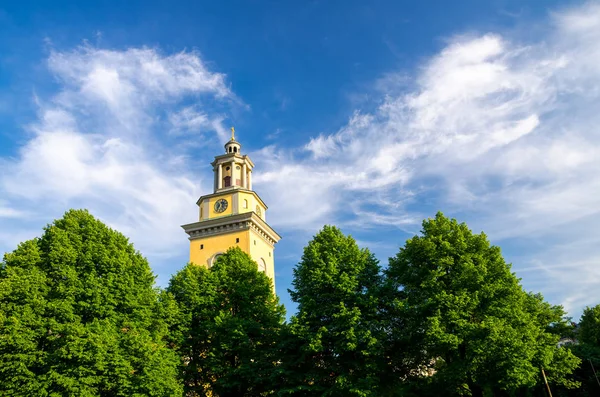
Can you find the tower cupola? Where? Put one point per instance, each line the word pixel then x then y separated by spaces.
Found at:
pixel 233 170
pixel 232 146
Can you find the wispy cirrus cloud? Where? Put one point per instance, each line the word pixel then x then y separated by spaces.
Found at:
pixel 498 131
pixel 501 132
pixel 101 143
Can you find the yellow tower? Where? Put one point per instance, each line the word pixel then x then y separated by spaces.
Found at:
pixel 233 215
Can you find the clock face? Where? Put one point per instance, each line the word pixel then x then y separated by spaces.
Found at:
pixel 220 205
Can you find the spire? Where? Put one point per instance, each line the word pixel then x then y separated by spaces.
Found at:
pixel 232 146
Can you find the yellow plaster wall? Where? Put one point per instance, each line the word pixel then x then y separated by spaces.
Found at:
pixel 216 244
pixel 211 207
pixel 252 203
pixel 241 197
pixel 237 174
pixel 261 249
pixel 262 209
pixel 220 243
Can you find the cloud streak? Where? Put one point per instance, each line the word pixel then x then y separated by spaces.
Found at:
pixel 500 132
pixel 100 142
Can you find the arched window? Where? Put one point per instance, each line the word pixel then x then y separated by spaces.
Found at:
pixel 214 258
pixel 262 265
pixel 245 203
pixel 234 150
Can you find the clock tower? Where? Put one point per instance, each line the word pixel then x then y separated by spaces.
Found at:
pixel 233 215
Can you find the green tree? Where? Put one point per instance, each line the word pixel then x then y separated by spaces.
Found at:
pixel 587 348
pixel 336 332
pixel 589 326
pixel 228 327
pixel 77 316
pixel 467 320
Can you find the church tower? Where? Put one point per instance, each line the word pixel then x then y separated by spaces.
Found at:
pixel 233 215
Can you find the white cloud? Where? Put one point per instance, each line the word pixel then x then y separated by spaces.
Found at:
pixel 503 132
pixel 189 119
pixel 7 212
pixel 103 73
pixel 99 143
pixel 484 108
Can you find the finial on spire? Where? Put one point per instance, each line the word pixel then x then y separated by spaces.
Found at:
pixel 232 146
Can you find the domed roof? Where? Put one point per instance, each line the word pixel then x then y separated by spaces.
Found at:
pixel 232 146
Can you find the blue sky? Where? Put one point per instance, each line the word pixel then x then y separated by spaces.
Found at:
pixel 368 115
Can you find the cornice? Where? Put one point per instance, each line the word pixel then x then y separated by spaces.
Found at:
pixel 233 189
pixel 223 158
pixel 230 224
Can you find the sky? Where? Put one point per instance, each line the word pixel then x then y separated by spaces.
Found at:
pixel 371 116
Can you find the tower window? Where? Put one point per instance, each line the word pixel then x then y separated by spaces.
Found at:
pixel 227 181
pixel 227 168
pixel 262 265
pixel 254 242
pixel 234 150
pixel 269 254
pixel 237 240
pixel 245 203
pixel 201 246
pixel 214 259
pixel 230 149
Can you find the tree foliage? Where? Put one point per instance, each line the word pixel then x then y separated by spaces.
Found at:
pixel 467 319
pixel 78 316
pixel 589 326
pixel 228 328
pixel 586 346
pixel 336 330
